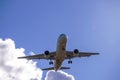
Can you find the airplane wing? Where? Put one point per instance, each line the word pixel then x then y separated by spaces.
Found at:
pixel 51 56
pixel 71 54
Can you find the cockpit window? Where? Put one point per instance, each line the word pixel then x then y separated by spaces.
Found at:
pixel 62 35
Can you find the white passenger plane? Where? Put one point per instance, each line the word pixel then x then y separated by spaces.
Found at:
pixel 59 55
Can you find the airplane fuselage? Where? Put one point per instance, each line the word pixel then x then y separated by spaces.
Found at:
pixel 60 51
pixel 60 54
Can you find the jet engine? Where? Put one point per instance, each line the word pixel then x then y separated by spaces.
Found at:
pixel 76 52
pixel 46 53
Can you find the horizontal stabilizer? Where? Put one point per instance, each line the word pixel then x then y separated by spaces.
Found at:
pixel 65 68
pixel 52 68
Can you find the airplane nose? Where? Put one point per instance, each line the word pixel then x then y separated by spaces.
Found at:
pixel 62 38
pixel 62 35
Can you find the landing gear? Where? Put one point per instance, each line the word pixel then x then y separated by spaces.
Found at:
pixel 51 62
pixel 69 62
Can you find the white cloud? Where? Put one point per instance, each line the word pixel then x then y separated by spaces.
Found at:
pixel 12 68
pixel 59 75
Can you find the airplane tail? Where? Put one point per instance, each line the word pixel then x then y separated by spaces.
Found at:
pixel 52 68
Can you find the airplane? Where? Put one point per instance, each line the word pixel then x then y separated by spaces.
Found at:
pixel 59 55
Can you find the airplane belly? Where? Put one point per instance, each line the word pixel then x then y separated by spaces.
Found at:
pixel 59 59
pixel 60 52
pixel 58 64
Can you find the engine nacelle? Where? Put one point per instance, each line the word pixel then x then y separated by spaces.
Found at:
pixel 46 52
pixel 76 52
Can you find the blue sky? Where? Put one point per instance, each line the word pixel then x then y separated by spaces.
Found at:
pixel 90 25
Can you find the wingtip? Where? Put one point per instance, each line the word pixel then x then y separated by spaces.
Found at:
pixel 18 57
pixel 97 53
